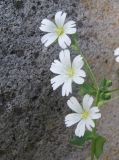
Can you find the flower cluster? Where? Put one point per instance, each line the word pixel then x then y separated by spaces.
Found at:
pixel 68 72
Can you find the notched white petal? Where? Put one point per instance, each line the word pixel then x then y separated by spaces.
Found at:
pixel 91 123
pixel 87 101
pixel 80 72
pixel 47 26
pixel 70 27
pixel 78 80
pixel 57 81
pixel 94 110
pixel 72 119
pixel 67 88
pixel 88 127
pixel 65 57
pixel 57 67
pixel 96 116
pixel 74 105
pixel 78 62
pixel 48 39
pixel 60 18
pixel 80 130
pixel 64 41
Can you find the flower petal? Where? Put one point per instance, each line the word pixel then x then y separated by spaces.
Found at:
pixel 78 80
pixel 96 115
pixel 70 31
pixel 71 119
pixel 65 57
pixel 88 127
pixel 57 67
pixel 78 62
pixel 64 41
pixel 94 110
pixel 87 101
pixel 80 130
pixel 48 39
pixel 60 18
pixel 74 105
pixel 57 81
pixel 90 122
pixel 116 52
pixel 80 72
pixel 70 27
pixel 67 87
pixel 117 59
pixel 47 26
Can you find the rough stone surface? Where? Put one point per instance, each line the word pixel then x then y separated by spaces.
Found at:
pixel 31 114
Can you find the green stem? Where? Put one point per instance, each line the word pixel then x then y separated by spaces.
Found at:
pixel 92 149
pixel 94 130
pixel 88 67
pixel 97 97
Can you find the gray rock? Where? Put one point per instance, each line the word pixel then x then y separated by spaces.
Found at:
pixel 31 114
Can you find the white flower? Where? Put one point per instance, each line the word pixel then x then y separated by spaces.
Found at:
pixel 57 30
pixel 116 53
pixel 84 115
pixel 67 72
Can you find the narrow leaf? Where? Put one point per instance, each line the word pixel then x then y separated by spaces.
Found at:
pixel 99 144
pixel 80 141
pixel 87 88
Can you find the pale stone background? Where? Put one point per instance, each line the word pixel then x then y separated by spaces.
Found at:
pixel 31 114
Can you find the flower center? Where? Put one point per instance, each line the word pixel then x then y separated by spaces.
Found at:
pixel 70 72
pixel 60 31
pixel 85 114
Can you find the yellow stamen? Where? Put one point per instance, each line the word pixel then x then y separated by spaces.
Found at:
pixel 70 72
pixel 85 114
pixel 60 31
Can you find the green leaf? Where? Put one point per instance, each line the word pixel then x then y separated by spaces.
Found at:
pixel 104 93
pixel 99 144
pixel 105 84
pixel 107 96
pixel 87 88
pixel 80 141
pixel 74 40
pixel 100 103
pixel 74 47
pixel 109 83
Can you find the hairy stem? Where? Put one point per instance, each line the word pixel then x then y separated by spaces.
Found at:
pixel 94 130
pixel 93 78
